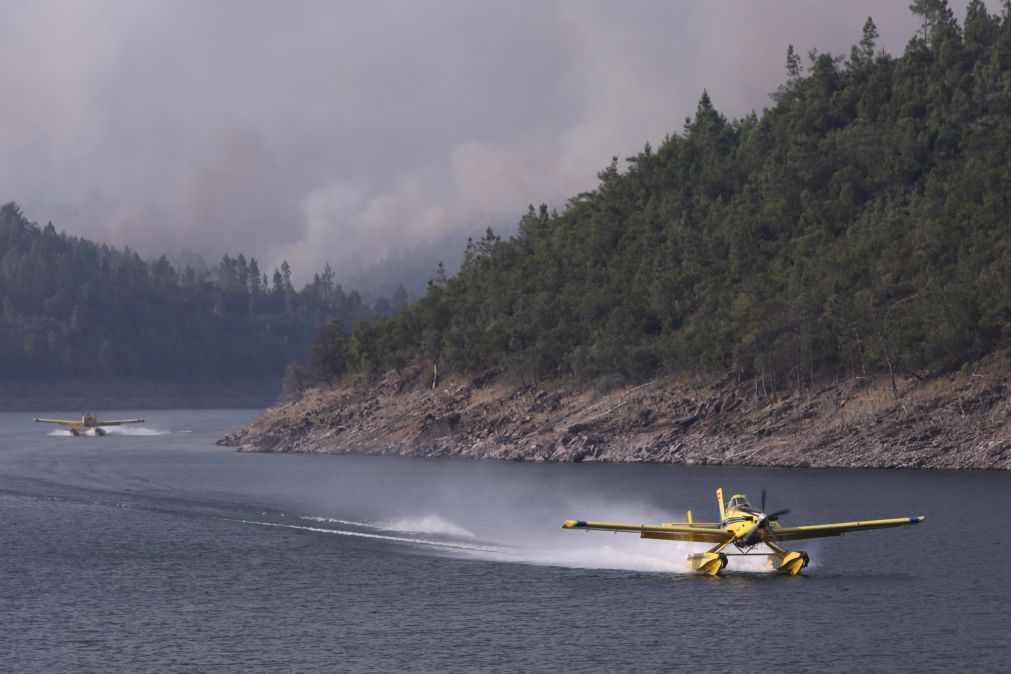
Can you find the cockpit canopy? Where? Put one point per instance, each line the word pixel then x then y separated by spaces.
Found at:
pixel 737 502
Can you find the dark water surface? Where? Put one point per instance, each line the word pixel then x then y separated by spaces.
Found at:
pixel 154 550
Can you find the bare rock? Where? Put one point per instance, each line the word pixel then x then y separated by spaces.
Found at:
pixel 956 420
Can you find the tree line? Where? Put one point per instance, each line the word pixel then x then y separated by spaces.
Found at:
pixel 75 309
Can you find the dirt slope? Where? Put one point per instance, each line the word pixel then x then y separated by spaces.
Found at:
pixel 958 420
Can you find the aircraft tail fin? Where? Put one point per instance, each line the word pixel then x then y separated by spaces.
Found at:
pixel 719 499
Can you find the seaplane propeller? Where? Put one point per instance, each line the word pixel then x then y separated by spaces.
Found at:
pixel 753 537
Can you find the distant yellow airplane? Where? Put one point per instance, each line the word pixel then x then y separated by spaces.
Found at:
pixel 87 423
pixel 745 527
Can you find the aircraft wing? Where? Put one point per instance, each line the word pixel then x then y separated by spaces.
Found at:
pixel 118 422
pixel 822 530
pixel 61 422
pixel 668 532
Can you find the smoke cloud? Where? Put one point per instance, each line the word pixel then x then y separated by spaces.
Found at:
pixel 349 132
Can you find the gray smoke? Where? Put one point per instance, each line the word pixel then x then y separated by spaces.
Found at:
pixel 351 132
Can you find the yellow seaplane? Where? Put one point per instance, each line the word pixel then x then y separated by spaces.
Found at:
pixel 744 527
pixel 88 423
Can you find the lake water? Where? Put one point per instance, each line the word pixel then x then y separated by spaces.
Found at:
pixel 152 549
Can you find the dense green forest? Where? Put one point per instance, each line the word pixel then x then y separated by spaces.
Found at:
pixel 72 308
pixel 859 223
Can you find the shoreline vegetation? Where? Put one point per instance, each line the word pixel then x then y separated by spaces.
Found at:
pixel 827 283
pixel 76 311
pixel 958 420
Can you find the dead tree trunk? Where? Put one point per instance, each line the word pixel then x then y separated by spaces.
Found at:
pixel 860 350
pixel 891 371
pixel 772 373
pixel 796 338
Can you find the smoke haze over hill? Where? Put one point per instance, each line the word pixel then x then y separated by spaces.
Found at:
pixel 351 133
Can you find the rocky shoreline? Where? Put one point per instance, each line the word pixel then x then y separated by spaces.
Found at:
pixel 959 420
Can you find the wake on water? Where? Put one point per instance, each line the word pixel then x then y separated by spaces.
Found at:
pixel 135 430
pixel 116 430
pixel 597 551
pixel 427 524
pixel 446 545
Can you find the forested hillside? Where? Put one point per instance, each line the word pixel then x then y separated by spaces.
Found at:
pixel 74 309
pixel 859 224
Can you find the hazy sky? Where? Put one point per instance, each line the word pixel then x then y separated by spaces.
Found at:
pixel 344 131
